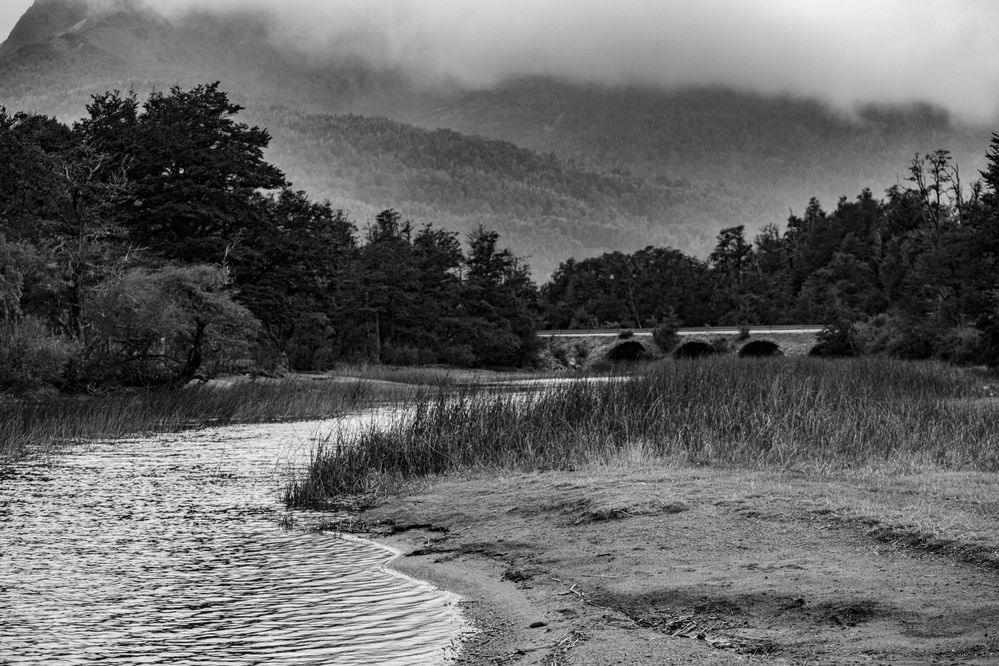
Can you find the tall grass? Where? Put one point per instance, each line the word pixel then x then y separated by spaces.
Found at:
pixel 442 376
pixel 422 375
pixel 27 426
pixel 781 413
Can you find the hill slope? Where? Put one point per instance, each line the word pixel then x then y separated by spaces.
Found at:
pixel 779 150
pixel 545 208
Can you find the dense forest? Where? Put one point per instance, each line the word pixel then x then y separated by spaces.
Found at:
pixel 152 242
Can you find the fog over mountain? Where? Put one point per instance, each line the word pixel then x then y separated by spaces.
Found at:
pixel 846 52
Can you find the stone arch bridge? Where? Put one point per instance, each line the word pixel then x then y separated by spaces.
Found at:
pixel 634 344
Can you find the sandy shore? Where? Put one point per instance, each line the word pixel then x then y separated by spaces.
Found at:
pixel 642 565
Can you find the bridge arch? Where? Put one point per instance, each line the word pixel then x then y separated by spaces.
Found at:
pixel 694 349
pixel 759 348
pixel 629 350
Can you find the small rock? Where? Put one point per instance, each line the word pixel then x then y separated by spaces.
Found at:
pixel 537 625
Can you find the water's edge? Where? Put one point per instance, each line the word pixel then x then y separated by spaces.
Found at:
pixel 174 549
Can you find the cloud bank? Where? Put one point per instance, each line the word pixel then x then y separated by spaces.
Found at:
pixel 845 52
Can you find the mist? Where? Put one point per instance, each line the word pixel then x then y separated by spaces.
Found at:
pixel 845 52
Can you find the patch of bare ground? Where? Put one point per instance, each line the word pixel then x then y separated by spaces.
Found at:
pixel 641 565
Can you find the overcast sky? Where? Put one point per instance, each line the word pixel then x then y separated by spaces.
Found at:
pixel 844 51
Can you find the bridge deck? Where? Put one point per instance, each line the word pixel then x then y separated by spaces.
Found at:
pixel 795 329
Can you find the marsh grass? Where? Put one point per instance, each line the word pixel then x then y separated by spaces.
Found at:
pixel 416 375
pixel 441 376
pixel 761 413
pixel 33 425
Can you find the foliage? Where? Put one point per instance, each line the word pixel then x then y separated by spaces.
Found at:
pixel 30 356
pixel 666 333
pixel 159 244
pixel 909 275
pixel 633 290
pixel 194 171
pixel 837 339
pixel 169 324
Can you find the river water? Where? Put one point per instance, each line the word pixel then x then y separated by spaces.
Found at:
pixel 176 549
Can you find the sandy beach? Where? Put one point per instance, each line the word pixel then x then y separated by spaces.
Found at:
pixel 646 564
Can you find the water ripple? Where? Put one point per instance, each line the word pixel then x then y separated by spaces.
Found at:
pixel 168 550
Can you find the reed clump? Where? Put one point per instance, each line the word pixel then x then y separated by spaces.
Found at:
pixel 32 425
pixel 773 413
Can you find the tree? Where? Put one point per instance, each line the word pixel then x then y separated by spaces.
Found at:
pixel 56 194
pixel 389 285
pixel 498 304
pixel 297 274
pixel 195 171
pixel 164 325
pixel 730 263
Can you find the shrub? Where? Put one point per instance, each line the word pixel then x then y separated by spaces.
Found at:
pixel 30 357
pixel 721 345
pixel 561 355
pixel 837 339
pixel 666 335
pixel 408 355
pixel 962 346
pixel 163 325
pixel 459 356
pixel 895 335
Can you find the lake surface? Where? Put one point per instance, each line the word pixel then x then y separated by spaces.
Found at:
pixel 175 549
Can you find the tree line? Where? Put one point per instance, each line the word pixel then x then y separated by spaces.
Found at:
pixel 151 242
pixel 913 274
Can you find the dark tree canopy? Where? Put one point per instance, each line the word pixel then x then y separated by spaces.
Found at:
pixel 194 169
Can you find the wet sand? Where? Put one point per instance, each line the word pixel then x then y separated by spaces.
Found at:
pixel 638 564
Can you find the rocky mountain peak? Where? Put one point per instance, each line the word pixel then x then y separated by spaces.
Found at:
pixel 44 20
pixel 47 20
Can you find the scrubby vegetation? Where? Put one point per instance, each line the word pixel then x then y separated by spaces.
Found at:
pixel 770 413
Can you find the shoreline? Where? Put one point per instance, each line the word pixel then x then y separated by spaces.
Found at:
pixel 462 629
pixel 638 564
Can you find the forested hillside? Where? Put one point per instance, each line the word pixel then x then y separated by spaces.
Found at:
pixel 769 154
pixel 546 208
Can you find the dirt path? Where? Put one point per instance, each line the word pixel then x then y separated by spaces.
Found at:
pixel 626 566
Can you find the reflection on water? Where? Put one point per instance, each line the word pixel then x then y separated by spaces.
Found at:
pixel 168 549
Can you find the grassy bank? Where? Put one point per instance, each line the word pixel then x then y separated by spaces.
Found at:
pixel 28 424
pixel 31 425
pixel 775 414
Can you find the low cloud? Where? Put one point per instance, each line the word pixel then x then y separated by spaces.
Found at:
pixel 845 52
